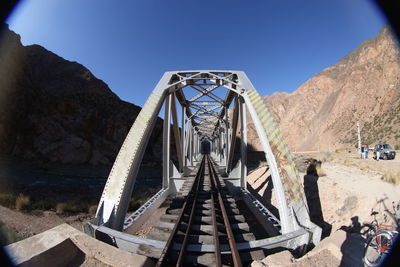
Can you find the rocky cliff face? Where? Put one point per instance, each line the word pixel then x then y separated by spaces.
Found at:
pixel 363 86
pixel 54 110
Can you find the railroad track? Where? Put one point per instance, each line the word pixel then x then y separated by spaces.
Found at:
pixel 203 224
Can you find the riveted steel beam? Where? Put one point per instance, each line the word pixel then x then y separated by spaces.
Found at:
pixel 207 116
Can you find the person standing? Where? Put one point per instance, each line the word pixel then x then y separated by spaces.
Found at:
pixel 378 153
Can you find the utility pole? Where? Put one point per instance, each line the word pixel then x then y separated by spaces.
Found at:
pixel 359 137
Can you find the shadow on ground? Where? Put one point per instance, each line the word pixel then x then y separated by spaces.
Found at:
pixel 314 202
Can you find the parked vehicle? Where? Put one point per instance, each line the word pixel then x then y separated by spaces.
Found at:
pixel 385 151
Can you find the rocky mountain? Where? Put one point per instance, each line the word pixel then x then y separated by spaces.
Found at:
pixel 363 86
pixel 54 110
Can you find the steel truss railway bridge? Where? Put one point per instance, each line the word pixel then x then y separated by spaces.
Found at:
pixel 210 212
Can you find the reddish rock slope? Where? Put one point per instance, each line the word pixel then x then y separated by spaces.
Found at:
pixel 364 85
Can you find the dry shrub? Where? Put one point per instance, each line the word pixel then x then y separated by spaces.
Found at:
pixel 7 235
pixel 74 206
pixel 61 208
pixel 320 171
pixel 362 166
pixel 313 166
pixel 43 204
pixel 8 200
pixel 347 162
pixel 137 200
pixel 92 209
pixel 301 163
pixel 22 202
pixel 326 157
pixel 65 207
pixel 393 178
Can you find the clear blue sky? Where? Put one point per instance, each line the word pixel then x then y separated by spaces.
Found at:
pixel 279 44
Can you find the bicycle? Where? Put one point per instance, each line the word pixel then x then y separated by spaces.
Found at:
pixel 380 240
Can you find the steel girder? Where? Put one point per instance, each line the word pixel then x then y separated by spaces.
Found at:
pixel 293 211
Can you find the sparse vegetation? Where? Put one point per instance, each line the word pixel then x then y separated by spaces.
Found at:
pixel 314 167
pixel 137 200
pixel 70 207
pixel 7 236
pixel 22 202
pixel 63 207
pixel 392 177
pixel 369 141
pixel 7 200
pixel 320 171
pixel 43 204
pixel 67 206
pixel 355 163
pixel 82 204
pixel 326 157
pixel 92 209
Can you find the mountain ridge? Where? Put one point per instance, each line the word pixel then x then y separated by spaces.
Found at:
pixel 55 111
pixel 362 86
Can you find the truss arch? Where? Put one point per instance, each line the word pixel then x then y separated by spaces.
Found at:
pixel 205 98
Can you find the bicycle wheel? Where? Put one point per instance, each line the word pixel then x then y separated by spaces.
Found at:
pixel 374 253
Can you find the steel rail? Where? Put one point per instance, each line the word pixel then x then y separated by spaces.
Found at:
pixel 190 206
pixel 218 261
pixel 190 221
pixel 168 245
pixel 231 239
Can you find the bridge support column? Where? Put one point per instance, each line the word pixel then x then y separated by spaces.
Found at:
pixel 177 136
pixel 183 137
pixel 243 143
pixel 212 148
pixel 191 145
pixel 226 137
pixel 220 148
pixel 166 140
pixel 232 141
pixel 196 145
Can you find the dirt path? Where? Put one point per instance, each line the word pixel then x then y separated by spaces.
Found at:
pixel 353 159
pixel 347 192
pixel 35 222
